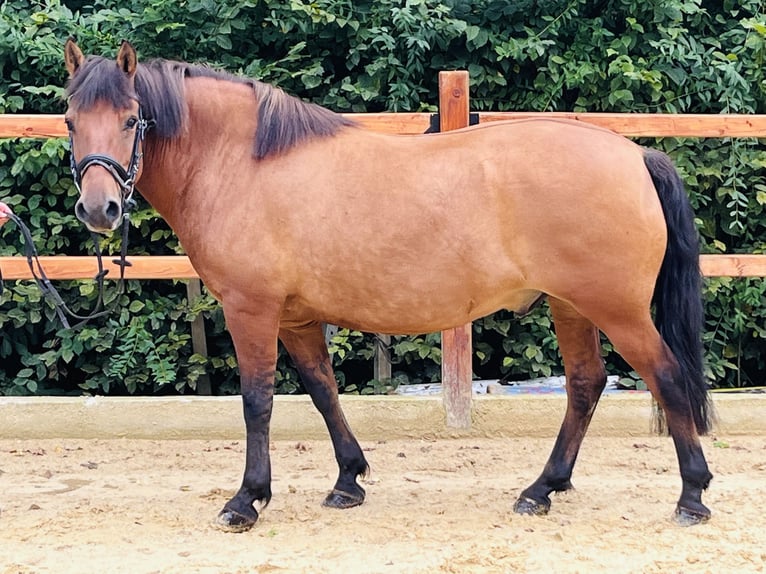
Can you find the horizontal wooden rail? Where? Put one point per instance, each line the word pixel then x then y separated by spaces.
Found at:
pixel 655 125
pixel 52 125
pixel 62 267
pixel 744 265
pixel 644 125
pixel 77 267
pixel 394 123
pixel 32 126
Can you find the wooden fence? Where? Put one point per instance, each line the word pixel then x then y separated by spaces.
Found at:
pixel 454 107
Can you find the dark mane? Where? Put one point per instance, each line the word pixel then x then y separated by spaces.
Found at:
pixel 283 121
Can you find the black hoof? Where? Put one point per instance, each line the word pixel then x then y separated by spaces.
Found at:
pixel 688 517
pixel 526 505
pixel 231 521
pixel 339 499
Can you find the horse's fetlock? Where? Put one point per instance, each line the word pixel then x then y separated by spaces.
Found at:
pixel 356 467
pixel 698 480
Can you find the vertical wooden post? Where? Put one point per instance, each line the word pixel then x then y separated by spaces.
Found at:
pixel 456 343
pixel 199 340
pixel 381 363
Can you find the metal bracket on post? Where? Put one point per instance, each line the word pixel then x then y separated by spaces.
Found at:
pixel 434 126
pixel 329 332
pixel 457 373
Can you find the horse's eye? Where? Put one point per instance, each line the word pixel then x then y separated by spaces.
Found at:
pixel 131 123
pixel 69 124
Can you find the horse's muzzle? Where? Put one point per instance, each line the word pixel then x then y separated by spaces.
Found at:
pixel 99 216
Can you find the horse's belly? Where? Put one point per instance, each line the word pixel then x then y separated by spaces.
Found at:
pixel 406 313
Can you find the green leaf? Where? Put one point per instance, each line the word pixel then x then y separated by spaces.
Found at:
pixel 311 82
pixel 471 32
pixel 531 352
pixel 224 42
pixel 67 354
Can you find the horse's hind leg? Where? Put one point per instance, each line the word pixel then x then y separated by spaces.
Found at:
pixel 308 350
pixel 581 350
pixel 640 344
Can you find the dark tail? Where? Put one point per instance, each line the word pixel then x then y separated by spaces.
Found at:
pixel 677 299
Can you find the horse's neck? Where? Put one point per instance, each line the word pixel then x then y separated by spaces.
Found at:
pixel 165 178
pixel 221 124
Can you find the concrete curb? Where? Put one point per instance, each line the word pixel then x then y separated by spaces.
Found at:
pixel 371 418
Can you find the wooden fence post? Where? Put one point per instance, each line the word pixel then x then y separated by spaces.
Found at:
pixel 199 339
pixel 382 359
pixel 457 387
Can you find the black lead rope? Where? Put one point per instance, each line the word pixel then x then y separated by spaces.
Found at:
pixel 51 293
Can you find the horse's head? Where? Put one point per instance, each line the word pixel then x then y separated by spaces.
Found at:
pixel 106 130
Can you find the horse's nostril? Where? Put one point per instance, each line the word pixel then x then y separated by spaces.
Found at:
pixel 80 211
pixel 112 210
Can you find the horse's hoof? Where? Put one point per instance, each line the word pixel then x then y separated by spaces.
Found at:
pixel 688 517
pixel 231 521
pixel 341 500
pixel 531 507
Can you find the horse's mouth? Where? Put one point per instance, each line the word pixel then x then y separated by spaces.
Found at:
pixel 101 230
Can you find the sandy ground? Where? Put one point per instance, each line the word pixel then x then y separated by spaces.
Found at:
pixel 139 506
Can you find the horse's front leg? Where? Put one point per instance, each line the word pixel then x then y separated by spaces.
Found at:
pixel 308 349
pixel 254 332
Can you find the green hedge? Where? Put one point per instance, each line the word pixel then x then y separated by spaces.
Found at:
pixel 686 56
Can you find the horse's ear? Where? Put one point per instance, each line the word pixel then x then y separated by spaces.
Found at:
pixel 127 59
pixel 73 57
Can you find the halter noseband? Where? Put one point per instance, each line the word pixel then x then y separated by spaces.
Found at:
pixel 126 179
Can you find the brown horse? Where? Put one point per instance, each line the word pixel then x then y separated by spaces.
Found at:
pixel 294 216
